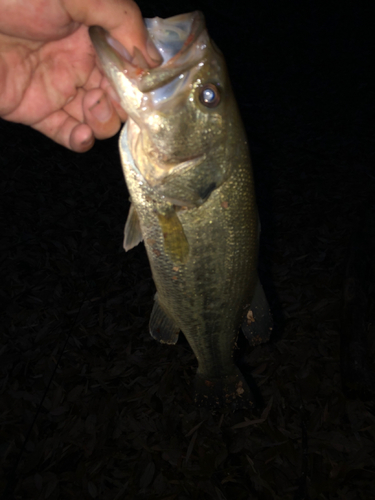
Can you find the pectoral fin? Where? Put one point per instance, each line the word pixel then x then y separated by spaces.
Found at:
pixel 176 245
pixel 258 323
pixel 162 328
pixel 132 232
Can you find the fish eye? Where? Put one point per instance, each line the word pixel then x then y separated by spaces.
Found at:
pixel 209 95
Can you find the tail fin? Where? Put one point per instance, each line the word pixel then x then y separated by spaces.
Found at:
pixel 231 391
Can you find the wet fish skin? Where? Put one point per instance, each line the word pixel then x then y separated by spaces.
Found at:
pixel 188 171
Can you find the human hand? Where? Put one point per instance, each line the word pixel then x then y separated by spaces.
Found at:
pixel 49 77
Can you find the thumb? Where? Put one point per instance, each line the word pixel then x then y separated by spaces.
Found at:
pixel 122 19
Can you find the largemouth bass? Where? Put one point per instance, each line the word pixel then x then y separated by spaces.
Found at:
pixel 187 167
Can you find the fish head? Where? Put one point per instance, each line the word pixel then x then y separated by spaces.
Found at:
pixel 180 107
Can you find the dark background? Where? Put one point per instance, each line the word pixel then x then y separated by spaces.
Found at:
pixel 91 406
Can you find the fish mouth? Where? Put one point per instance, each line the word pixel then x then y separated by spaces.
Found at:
pixel 181 41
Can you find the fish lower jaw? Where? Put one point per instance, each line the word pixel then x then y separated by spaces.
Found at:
pixel 156 168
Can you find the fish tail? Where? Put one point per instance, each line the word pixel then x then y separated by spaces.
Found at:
pixel 230 391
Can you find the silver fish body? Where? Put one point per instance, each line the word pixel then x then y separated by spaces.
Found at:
pixel 187 167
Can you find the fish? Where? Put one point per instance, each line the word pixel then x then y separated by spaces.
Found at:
pixel 186 163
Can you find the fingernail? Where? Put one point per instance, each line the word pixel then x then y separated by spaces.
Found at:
pixel 87 141
pixel 101 110
pixel 153 51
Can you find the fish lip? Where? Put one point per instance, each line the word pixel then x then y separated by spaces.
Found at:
pixel 105 38
pixel 182 61
pixel 112 52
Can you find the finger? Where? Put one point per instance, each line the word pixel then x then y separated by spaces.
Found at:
pixel 100 114
pixel 98 80
pixel 81 138
pixel 67 131
pixel 74 106
pixel 115 100
pixel 122 19
pixel 88 116
pixel 91 104
pixel 99 108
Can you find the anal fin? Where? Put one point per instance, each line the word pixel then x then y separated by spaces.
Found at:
pixel 162 328
pixel 132 231
pixel 258 323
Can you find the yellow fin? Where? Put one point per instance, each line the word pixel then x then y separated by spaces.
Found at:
pixel 175 242
pixel 132 231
